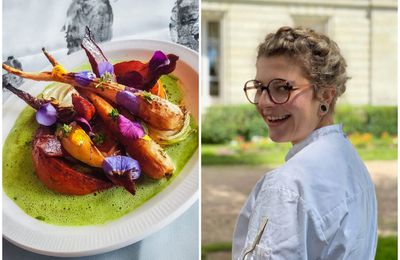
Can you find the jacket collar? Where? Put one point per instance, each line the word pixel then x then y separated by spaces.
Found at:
pixel 315 135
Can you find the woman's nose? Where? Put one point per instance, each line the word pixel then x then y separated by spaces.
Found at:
pixel 265 100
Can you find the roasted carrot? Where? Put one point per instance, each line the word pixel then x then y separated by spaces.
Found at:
pixel 83 107
pixel 79 145
pixel 157 112
pixel 158 90
pixel 151 157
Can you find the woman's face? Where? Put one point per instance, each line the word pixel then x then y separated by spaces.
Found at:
pixel 299 116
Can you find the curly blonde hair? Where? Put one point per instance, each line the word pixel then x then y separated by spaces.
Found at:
pixel 318 56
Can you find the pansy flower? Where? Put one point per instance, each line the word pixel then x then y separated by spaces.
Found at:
pixel 122 171
pixel 46 115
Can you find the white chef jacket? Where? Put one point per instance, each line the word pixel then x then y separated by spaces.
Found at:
pixel 320 204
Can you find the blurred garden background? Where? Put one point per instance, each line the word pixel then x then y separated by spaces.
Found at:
pixel 236 150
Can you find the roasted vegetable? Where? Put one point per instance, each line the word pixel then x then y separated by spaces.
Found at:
pixel 64 114
pixel 58 174
pixel 113 132
pixel 83 107
pixel 98 61
pixel 155 111
pixel 60 93
pixel 159 90
pixel 154 161
pixel 172 137
pixel 133 73
pixel 79 145
pixel 136 74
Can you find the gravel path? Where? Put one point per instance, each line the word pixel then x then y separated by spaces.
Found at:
pixel 225 189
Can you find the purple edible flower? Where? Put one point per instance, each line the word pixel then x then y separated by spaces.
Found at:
pixel 120 165
pixel 84 77
pixel 105 67
pixel 129 101
pixel 46 115
pixel 158 60
pixel 83 123
pixel 122 171
pixel 129 129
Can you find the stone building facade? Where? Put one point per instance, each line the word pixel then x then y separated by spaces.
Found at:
pixel 366 32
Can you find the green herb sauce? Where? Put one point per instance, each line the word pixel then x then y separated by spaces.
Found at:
pixel 24 188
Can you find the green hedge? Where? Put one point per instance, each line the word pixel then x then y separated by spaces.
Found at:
pixel 220 124
pixel 371 119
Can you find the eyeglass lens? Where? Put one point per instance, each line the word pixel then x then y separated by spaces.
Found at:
pixel 279 91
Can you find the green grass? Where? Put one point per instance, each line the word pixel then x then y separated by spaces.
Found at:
pixel 378 153
pixel 273 154
pixel 216 247
pixel 386 250
pixel 224 155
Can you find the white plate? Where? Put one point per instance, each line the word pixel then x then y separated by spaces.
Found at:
pixel 39 237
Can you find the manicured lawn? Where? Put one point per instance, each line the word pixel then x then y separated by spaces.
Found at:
pixel 387 248
pixel 224 155
pixel 216 247
pixel 267 152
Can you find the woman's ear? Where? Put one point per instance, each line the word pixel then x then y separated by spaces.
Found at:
pixel 327 95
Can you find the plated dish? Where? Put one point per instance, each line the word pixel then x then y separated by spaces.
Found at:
pixel 37 235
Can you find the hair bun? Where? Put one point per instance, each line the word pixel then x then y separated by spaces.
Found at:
pixel 286 33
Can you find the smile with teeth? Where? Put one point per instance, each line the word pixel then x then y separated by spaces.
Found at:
pixel 277 118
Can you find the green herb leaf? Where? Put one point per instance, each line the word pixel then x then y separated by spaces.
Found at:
pixel 99 138
pixel 148 97
pixel 114 114
pixel 145 128
pixel 106 77
pixel 66 129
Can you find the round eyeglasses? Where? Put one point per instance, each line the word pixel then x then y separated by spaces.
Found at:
pixel 278 90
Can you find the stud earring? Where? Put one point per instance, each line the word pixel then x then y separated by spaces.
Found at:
pixel 323 108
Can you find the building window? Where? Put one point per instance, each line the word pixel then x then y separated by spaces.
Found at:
pixel 213 53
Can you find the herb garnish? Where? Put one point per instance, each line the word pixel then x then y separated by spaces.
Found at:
pixel 144 127
pixel 99 138
pixel 66 129
pixel 114 114
pixel 148 97
pixel 106 77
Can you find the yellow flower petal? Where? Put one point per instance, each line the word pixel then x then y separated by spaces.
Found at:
pixel 147 138
pixel 58 72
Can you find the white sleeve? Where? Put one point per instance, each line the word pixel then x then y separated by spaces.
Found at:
pixel 281 226
pixel 242 222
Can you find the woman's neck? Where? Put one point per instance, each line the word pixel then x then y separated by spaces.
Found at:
pixel 325 121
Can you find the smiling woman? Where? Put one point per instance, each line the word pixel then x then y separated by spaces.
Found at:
pixel 298 89
pixel 321 203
